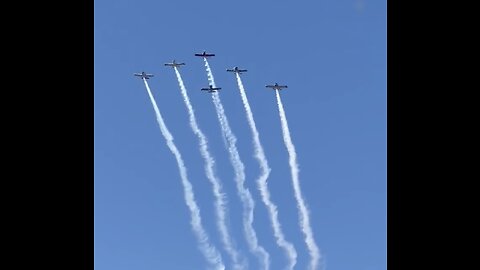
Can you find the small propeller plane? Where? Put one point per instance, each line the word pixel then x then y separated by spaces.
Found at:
pixel 237 70
pixel 276 86
pixel 211 89
pixel 174 64
pixel 143 75
pixel 205 54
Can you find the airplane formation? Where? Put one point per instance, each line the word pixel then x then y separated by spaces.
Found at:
pixel 208 249
pixel 210 88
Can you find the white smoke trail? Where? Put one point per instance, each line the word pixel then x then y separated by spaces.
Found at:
pixel 210 252
pixel 220 197
pixel 243 193
pixel 304 219
pixel 288 247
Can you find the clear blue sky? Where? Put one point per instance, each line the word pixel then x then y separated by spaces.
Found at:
pixel 331 54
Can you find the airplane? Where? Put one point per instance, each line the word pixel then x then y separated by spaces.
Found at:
pixel 204 54
pixel 174 64
pixel 276 86
pixel 211 89
pixel 237 70
pixel 143 75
